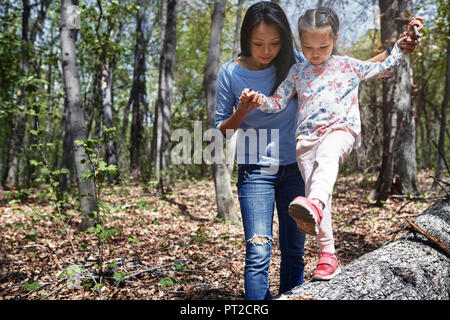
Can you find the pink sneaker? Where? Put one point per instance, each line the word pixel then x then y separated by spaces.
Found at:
pixel 327 267
pixel 306 214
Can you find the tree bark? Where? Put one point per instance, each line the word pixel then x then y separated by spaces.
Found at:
pixel 106 84
pixel 443 125
pixel 161 144
pixel 226 208
pixel 411 268
pixel 231 147
pixel 18 131
pixel 66 158
pixel 398 174
pixel 86 187
pixel 36 30
pixel 137 91
pixel 237 28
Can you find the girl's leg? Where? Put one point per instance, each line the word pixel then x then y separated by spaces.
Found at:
pixel 306 161
pixel 302 210
pixel 331 152
pixel 292 242
pixel 256 192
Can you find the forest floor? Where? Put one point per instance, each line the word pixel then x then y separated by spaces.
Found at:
pixel 172 248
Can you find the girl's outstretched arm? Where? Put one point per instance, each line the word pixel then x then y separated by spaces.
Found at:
pixel 379 57
pixel 280 99
pixel 366 70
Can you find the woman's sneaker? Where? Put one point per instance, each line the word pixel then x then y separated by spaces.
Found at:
pixel 327 267
pixel 306 214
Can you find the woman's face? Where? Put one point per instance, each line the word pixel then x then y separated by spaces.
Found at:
pixel 265 43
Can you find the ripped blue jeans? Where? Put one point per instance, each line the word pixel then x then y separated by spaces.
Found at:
pixel 259 192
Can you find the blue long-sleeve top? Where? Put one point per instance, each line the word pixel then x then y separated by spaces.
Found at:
pixel 266 139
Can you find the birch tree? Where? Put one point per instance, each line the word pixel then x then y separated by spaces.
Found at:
pixel 226 208
pixel 86 187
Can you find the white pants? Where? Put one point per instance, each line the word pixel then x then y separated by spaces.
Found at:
pixel 319 161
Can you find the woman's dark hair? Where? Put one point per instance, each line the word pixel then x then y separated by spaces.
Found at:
pixel 318 18
pixel 270 13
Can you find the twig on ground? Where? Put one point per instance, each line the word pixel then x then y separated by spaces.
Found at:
pixel 150 270
pixel 436 241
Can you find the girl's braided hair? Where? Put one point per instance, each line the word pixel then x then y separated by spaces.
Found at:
pixel 318 18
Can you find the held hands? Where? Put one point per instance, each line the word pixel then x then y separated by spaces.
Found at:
pixel 250 100
pixel 412 35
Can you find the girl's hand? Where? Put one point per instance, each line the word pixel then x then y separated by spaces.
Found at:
pixel 249 100
pixel 412 37
pixel 416 24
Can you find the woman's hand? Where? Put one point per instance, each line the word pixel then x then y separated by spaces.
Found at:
pixel 412 37
pixel 249 100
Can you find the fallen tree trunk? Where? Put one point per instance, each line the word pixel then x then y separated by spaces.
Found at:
pixel 411 268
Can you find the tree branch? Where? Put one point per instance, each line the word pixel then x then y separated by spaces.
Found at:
pixel 436 241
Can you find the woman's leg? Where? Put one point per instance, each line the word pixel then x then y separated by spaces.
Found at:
pixel 256 196
pixel 292 242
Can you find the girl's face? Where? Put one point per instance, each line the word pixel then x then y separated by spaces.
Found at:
pixel 317 44
pixel 265 44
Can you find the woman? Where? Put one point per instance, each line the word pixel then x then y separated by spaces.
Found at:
pixel 268 174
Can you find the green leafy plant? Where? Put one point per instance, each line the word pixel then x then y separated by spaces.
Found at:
pixel 168 281
pixel 31 286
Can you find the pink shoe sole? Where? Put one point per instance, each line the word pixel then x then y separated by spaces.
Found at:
pixel 304 216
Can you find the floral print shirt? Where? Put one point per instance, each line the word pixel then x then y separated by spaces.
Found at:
pixel 328 93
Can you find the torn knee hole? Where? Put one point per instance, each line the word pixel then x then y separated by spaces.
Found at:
pixel 260 240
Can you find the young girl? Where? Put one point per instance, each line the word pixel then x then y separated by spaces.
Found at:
pixel 329 124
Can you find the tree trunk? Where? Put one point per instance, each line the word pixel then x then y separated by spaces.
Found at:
pixel 411 268
pixel 231 147
pixel 137 91
pixel 66 158
pixel 107 114
pixel 161 144
pixel 106 84
pixel 226 208
pixel 157 127
pixel 237 29
pixel 36 30
pixel 441 144
pixel 18 130
pixel 398 173
pixel 86 187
